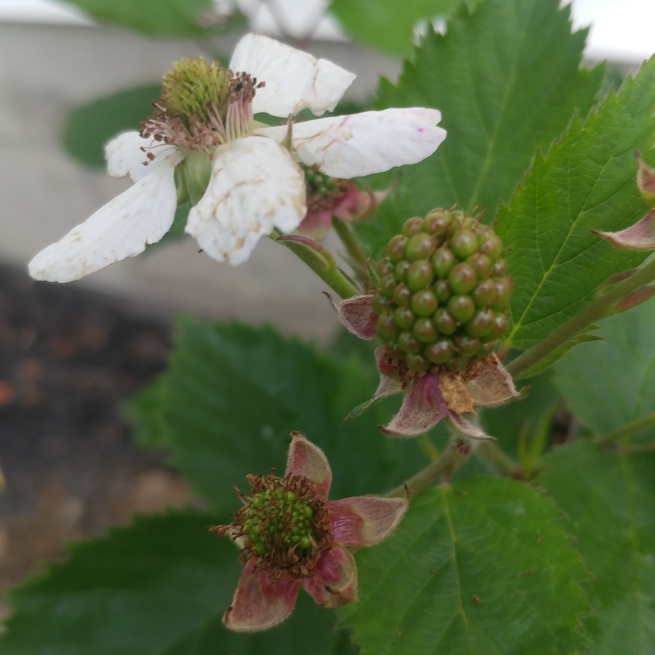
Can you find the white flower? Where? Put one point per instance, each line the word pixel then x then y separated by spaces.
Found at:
pixel 255 185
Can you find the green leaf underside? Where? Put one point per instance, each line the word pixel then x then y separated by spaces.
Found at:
pixel 609 502
pixel 587 181
pixel 159 587
pixel 90 127
pixel 162 18
pixel 234 394
pixel 612 382
pixel 380 24
pixel 483 539
pixel 506 80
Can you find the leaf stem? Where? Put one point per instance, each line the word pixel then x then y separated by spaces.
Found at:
pixel 447 463
pixel 348 239
pixel 626 430
pixel 597 309
pixel 496 459
pixel 638 448
pixel 428 447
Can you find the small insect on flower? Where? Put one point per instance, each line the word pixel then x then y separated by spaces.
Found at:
pixel 243 178
pixel 291 536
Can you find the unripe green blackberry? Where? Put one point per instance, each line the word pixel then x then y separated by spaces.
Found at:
pixel 443 292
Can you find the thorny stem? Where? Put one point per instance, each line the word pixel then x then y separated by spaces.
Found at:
pixel 626 430
pixel 446 464
pixel 325 268
pixel 347 236
pixel 597 309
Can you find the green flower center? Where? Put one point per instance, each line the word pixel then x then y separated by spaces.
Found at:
pixel 193 86
pixel 277 520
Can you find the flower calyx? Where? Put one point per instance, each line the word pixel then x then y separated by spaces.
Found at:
pixel 284 526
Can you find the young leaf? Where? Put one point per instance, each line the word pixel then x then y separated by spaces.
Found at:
pixel 380 24
pixel 479 567
pixel 163 18
pixel 158 587
pixel 587 181
pixel 609 502
pixel 234 394
pixel 507 81
pixel 89 127
pixel 612 382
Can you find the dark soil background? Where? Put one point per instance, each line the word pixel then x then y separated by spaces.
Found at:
pixel 68 466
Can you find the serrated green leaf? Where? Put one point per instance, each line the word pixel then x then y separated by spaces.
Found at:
pixel 609 502
pixel 162 18
pixel 555 355
pixel 384 24
pixel 586 181
pixel 506 80
pixel 158 587
pixel 90 126
pixel 480 567
pixel 234 394
pixel 612 382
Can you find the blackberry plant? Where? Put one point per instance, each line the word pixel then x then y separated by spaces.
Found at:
pixel 443 291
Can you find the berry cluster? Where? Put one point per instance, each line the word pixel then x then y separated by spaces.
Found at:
pixel 443 292
pixel 277 520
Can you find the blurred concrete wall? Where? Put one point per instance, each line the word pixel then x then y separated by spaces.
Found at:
pixel 44 71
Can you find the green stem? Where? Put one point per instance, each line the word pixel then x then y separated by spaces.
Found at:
pixel 497 459
pixel 597 309
pixel 324 266
pixel 639 448
pixel 428 447
pixel 626 430
pixel 446 464
pixel 347 236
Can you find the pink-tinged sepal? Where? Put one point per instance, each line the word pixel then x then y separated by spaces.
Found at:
pixel 645 180
pixel 365 520
pixel 423 407
pixel 640 236
pixel 469 429
pixel 258 602
pixel 316 225
pixel 308 461
pixel 334 582
pixel 635 298
pixel 493 385
pixel 357 315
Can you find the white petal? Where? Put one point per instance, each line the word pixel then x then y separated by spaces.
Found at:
pixel 366 143
pixel 295 80
pixel 127 154
pixel 255 186
pixel 120 229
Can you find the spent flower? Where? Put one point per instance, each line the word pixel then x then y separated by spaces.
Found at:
pixel 242 177
pixel 290 536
